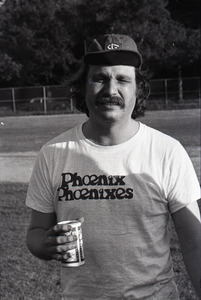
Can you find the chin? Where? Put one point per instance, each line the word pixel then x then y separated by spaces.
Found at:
pixel 110 114
pixel 111 117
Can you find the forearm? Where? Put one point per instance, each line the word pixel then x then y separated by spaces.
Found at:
pixel 188 227
pixel 35 243
pixel 192 261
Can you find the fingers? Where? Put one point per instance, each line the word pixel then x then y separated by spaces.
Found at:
pixel 58 229
pixel 61 249
pixel 81 220
pixel 59 240
pixel 60 252
pixel 61 257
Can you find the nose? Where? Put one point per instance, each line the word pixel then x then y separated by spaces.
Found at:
pixel 111 87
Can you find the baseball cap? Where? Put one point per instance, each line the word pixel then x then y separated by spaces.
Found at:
pixel 113 49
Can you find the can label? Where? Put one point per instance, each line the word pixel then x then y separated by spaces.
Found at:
pixel 76 258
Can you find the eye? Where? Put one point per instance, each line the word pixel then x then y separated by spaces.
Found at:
pixel 123 79
pixel 99 79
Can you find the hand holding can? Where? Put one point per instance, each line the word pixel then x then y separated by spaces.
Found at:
pixel 58 241
pixel 75 256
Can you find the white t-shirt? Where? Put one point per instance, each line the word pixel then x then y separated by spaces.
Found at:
pixel 125 193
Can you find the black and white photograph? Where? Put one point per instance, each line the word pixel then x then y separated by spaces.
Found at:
pixel 100 143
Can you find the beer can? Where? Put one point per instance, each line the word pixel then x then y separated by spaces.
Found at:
pixel 76 258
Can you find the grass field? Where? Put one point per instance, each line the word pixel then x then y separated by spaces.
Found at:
pixel 24 277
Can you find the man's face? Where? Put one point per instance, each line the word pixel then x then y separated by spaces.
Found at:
pixel 110 92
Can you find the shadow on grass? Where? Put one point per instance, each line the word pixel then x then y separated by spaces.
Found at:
pixel 25 277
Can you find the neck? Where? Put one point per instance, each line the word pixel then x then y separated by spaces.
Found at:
pixel 110 133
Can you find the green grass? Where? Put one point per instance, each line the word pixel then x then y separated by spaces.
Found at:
pixel 24 277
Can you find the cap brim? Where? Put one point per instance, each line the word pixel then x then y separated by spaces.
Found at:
pixel 110 58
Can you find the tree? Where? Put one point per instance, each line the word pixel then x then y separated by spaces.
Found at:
pixel 164 42
pixel 42 41
pixel 188 15
pixel 8 68
pixel 34 39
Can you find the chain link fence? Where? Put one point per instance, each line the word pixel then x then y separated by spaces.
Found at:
pixel 165 94
pixel 175 93
pixel 36 99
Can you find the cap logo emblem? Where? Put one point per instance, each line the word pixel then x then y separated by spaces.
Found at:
pixel 112 46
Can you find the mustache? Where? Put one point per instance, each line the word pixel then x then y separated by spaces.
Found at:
pixel 115 100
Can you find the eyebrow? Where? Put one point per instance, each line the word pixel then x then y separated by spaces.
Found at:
pixel 124 76
pixel 99 74
pixel 118 76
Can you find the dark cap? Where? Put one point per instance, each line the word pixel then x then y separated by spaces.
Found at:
pixel 113 49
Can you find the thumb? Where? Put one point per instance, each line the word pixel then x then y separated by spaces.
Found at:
pixel 81 220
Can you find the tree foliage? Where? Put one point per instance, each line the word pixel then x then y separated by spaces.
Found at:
pixel 42 41
pixel 186 13
pixel 34 38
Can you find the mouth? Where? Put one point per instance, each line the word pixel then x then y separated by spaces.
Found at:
pixel 108 103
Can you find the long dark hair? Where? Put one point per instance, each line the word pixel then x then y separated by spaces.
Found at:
pixel 78 82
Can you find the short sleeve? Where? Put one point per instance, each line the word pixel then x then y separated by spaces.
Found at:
pixel 183 185
pixel 40 195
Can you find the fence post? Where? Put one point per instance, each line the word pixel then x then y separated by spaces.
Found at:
pixel 166 95
pixel 13 99
pixel 199 93
pixel 45 100
pixel 181 98
pixel 71 104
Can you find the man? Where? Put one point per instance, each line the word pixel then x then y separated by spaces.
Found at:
pixel 124 179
